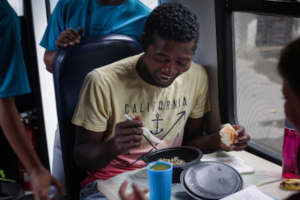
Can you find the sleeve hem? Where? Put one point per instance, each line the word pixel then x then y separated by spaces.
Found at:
pixel 14 94
pixel 89 126
pixel 198 114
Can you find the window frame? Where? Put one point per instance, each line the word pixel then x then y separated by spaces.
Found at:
pixel 48 8
pixel 224 10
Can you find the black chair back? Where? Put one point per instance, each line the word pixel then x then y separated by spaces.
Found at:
pixel 70 68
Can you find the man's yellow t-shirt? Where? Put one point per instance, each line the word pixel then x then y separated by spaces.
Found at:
pixel 110 92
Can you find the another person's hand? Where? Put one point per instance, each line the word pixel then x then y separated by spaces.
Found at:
pixel 137 193
pixel 128 135
pixel 69 37
pixel 41 180
pixel 241 142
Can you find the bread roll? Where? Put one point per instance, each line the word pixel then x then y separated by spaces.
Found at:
pixel 228 135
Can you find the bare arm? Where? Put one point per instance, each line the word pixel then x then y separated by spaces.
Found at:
pixel 193 136
pixel 92 152
pixel 49 59
pixel 16 136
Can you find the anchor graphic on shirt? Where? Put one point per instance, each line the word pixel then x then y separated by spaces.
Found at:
pixel 181 115
pixel 157 120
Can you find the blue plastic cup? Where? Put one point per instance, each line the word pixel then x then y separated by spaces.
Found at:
pixel 160 181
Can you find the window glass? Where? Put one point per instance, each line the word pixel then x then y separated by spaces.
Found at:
pixel 258 41
pixel 17 5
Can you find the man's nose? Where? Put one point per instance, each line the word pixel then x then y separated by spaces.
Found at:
pixel 169 68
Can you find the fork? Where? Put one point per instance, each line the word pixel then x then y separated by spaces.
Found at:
pixel 149 133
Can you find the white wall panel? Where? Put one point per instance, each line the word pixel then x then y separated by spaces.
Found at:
pixel 206 53
pixel 46 80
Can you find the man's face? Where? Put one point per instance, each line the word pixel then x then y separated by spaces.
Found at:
pixel 165 60
pixel 291 105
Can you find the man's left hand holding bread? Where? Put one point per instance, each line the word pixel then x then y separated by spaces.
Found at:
pixel 240 142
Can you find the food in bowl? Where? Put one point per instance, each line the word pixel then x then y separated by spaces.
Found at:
pixel 190 155
pixel 174 160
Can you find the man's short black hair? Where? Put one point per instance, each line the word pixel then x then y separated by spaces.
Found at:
pixel 171 21
pixel 289 65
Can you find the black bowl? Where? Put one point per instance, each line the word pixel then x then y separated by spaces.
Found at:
pixel 190 155
pixel 10 190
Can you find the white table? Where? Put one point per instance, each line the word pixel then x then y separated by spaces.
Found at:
pixel 267 170
pixel 266 176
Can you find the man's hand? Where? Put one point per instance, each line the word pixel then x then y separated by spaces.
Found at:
pixel 128 135
pixel 65 39
pixel 241 142
pixel 69 37
pixel 41 180
pixel 137 193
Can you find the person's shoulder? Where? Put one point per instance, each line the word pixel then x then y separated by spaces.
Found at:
pixel 197 69
pixel 139 6
pixel 71 3
pixel 143 6
pixel 92 75
pixel 196 72
pixel 120 66
pixel 8 18
pixel 5 9
pixel 97 77
pixel 63 3
pixel 118 69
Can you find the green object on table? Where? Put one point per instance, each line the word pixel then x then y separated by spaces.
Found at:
pixel 160 167
pixel 3 177
pixel 2 174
